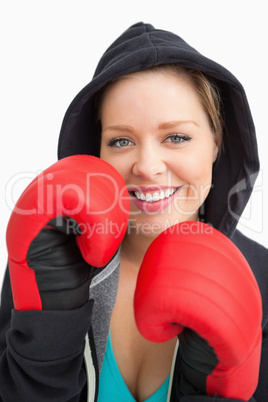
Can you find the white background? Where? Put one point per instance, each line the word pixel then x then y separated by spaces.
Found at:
pixel 49 50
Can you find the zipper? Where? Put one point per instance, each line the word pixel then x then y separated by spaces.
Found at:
pixel 90 370
pixel 172 370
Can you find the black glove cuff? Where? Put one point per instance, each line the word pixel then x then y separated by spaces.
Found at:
pixel 66 299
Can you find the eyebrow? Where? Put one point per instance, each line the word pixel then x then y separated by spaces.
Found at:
pixel 122 127
pixel 161 126
pixel 171 124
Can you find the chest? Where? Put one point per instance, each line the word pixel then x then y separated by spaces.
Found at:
pixel 144 365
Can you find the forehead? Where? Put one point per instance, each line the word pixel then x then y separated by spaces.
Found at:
pixel 155 95
pixel 155 76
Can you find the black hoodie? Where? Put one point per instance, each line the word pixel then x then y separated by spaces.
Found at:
pixel 43 348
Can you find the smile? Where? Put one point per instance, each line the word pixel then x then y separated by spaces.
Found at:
pixel 154 199
pixel 156 195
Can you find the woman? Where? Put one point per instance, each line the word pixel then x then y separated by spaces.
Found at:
pixel 184 143
pixel 161 140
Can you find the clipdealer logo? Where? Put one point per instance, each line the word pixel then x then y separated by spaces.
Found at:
pixel 50 196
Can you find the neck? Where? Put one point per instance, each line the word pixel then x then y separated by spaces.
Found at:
pixel 133 248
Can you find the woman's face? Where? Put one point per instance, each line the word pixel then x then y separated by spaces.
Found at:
pixel 157 135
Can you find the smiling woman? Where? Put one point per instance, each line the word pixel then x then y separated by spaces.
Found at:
pixel 148 136
pixel 162 130
pixel 156 131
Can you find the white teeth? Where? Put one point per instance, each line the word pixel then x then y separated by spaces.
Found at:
pixel 156 196
pixel 143 198
pixel 162 195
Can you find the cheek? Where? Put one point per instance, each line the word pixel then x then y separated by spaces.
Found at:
pixel 118 162
pixel 196 173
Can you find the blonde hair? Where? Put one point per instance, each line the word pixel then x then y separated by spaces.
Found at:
pixel 207 91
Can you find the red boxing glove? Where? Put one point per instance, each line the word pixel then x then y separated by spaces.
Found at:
pixel 195 283
pixel 69 220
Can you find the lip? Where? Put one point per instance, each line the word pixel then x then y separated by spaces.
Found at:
pixel 156 206
pixel 146 189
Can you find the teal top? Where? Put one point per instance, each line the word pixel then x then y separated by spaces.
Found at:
pixel 112 387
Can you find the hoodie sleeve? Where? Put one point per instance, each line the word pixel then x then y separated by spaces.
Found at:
pixel 257 257
pixel 42 355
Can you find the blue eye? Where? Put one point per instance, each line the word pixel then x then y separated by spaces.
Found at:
pixel 177 138
pixel 123 142
pixel 120 142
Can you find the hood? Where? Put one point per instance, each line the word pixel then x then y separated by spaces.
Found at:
pixel 141 47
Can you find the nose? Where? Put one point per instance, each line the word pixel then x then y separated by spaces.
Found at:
pixel 148 163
